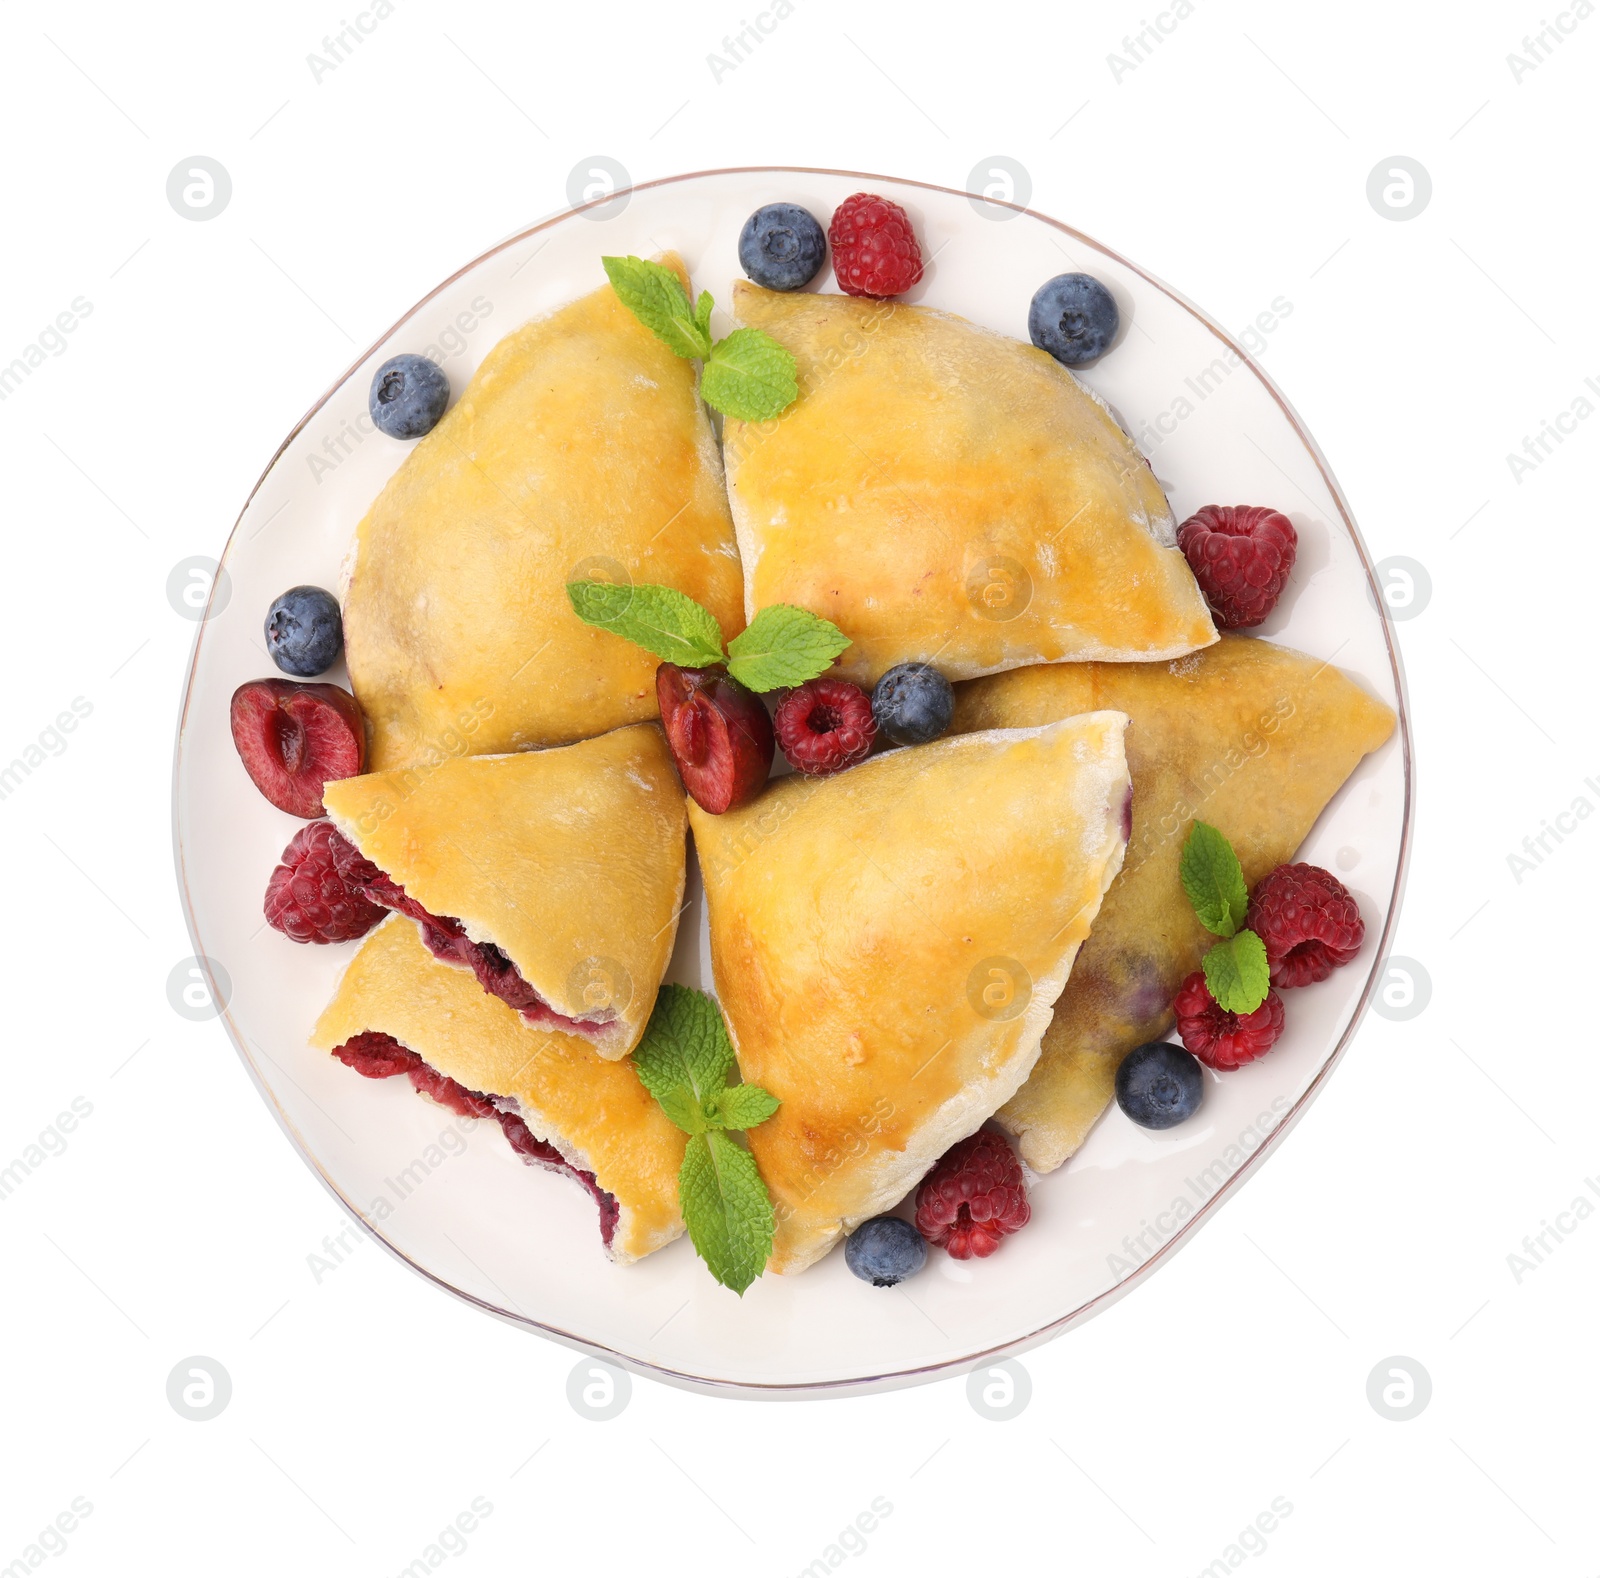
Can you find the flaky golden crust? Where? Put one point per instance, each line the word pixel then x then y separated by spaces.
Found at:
pixel 579 447
pixel 946 494
pixel 1251 737
pixel 887 945
pixel 570 861
pixel 595 1113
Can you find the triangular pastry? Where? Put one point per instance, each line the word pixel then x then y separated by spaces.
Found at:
pixel 1250 737
pixel 555 877
pixel 888 943
pixel 561 1106
pixel 580 449
pixel 946 494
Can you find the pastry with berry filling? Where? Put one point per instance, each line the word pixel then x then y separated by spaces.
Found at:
pixel 580 448
pixel 888 943
pixel 946 495
pixel 554 877
pixel 399 1012
pixel 1250 737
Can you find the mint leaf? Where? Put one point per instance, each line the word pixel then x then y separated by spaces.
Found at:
pixel 726 1209
pixel 681 1106
pixel 1214 881
pixel 684 1060
pixel 742 1107
pixel 783 645
pixel 749 376
pixel 1236 973
pixel 658 618
pixel 685 1055
pixel 654 294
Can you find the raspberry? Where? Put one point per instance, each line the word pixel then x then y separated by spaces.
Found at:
pixel 1308 921
pixel 1241 555
pixel 825 725
pixel 1222 1040
pixel 308 897
pixel 875 251
pixel 973 1197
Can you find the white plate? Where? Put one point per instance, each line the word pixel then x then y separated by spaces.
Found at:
pixel 449 1197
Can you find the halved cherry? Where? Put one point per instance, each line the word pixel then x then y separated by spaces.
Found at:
pixel 719 733
pixel 295 738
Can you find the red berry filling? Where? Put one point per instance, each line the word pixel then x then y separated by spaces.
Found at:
pixel 1309 922
pixel 438 1087
pixel 826 725
pixel 974 1197
pixel 540 1153
pixel 1220 1039
pixel 378 1055
pixel 295 738
pixel 308 898
pixel 875 250
pixel 1241 555
pixel 446 939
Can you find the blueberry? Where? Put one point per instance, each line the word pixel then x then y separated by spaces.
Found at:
pixel 304 631
pixel 912 703
pixel 1074 317
pixel 782 246
pixel 885 1250
pixel 409 394
pixel 1159 1084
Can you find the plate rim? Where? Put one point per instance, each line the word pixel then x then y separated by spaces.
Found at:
pixel 897 1379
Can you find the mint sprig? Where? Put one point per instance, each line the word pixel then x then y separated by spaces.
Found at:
pixel 1236 968
pixel 782 646
pixel 747 375
pixel 684 1060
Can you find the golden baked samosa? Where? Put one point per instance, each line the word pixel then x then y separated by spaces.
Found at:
pixel 579 449
pixel 887 945
pixel 1250 737
pixel 555 877
pixel 399 1010
pixel 945 494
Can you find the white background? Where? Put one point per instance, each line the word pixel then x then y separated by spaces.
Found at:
pixel 368 1409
